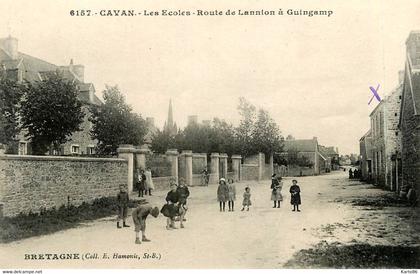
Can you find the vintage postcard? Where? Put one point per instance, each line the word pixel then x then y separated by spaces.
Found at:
pixel 207 134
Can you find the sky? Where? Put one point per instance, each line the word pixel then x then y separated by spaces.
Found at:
pixel 312 74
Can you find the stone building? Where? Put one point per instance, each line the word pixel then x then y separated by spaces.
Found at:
pixel 306 148
pixel 365 144
pixel 409 122
pixel 385 139
pixel 332 157
pixel 22 67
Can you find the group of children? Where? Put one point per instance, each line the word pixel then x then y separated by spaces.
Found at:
pixel 176 203
pixel 227 192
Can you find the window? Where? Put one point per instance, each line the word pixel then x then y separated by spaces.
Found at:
pixel 396 133
pixel 23 148
pixel 75 149
pixel 396 114
pixel 90 150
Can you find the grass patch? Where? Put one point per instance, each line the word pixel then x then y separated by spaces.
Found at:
pixel 335 255
pixel 49 221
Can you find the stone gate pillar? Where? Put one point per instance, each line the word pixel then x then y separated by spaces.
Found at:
pixel 127 152
pixel 172 156
pixel 236 167
pixel 140 154
pixel 261 165
pixel 187 155
pixel 224 164
pixel 214 167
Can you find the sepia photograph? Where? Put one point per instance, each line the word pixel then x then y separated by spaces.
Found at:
pixel 236 135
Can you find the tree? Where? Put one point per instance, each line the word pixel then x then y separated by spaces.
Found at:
pixel 10 96
pixel 257 133
pixel 246 127
pixel 115 124
pixel 51 112
pixel 266 136
pixel 163 140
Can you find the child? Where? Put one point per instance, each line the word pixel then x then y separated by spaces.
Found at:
pixel 142 182
pixel 276 186
pixel 149 181
pixel 247 199
pixel 122 199
pixel 231 195
pixel 139 218
pixel 183 194
pixel 171 208
pixel 222 194
pixel 295 199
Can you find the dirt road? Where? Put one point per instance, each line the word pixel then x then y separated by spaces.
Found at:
pixel 263 237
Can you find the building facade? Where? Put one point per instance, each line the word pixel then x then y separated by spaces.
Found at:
pixel 384 140
pixel 365 144
pixel 409 123
pixel 22 67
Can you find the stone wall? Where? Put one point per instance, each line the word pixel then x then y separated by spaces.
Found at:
pixel 249 172
pixel 411 138
pixel 31 183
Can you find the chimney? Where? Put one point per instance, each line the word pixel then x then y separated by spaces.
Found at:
pixel 79 70
pixel 10 45
pixel 401 74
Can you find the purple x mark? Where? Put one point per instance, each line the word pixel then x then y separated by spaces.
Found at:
pixel 375 94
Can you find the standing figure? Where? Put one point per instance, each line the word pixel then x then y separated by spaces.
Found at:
pixel 295 199
pixel 231 194
pixel 205 177
pixel 183 194
pixel 247 199
pixel 222 194
pixel 141 182
pixel 276 186
pixel 122 200
pixel 350 173
pixel 149 182
pixel 171 208
pixel 139 218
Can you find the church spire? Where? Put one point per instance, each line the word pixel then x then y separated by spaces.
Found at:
pixel 170 121
pixel 170 126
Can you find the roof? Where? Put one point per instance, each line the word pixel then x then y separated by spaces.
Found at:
pixel 327 151
pixel 306 145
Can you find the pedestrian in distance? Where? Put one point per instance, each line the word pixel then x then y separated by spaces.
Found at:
pixel 295 196
pixel 139 218
pixel 231 194
pixel 276 187
pixel 222 194
pixel 171 208
pixel 122 202
pixel 183 194
pixel 149 181
pixel 247 199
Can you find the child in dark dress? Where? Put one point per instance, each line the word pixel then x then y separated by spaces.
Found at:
pixel 295 199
